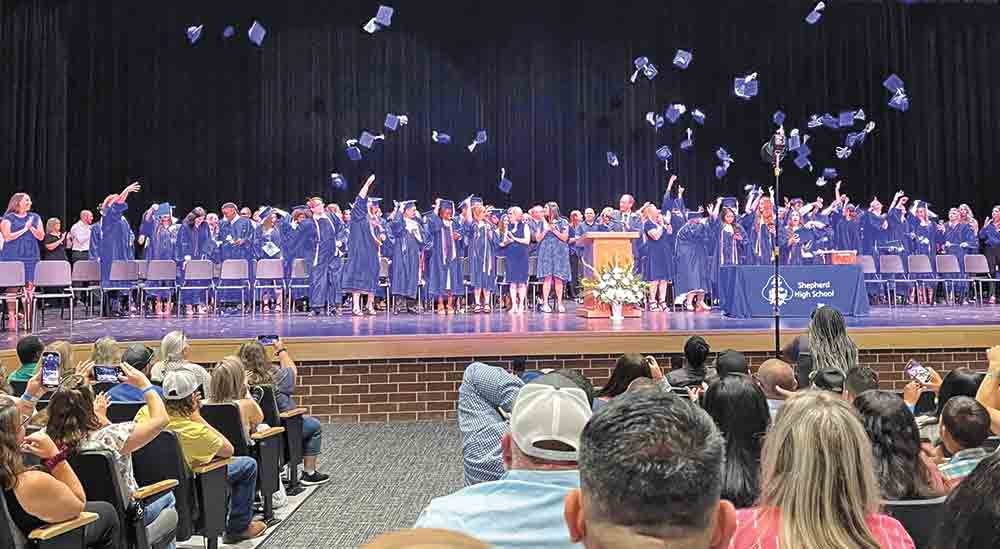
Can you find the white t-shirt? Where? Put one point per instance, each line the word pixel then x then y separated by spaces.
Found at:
pixel 81 236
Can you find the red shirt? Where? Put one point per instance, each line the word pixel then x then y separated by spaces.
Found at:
pixel 758 534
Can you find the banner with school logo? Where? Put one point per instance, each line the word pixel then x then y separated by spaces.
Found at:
pixel 751 290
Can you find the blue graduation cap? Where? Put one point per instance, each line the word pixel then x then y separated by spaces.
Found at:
pixel 682 59
pixel 165 209
pixel 829 173
pixel 794 140
pixel 854 138
pixel 726 160
pixel 445 205
pixel 689 142
pixel 407 204
pixel 229 31
pixel 368 139
pixel 698 116
pixel 640 64
pixel 338 181
pixel 830 121
pixel 654 119
pixel 505 184
pixel 816 13
pixel 481 137
pixel 778 118
pixel 439 137
pixel 674 112
pixel 900 101
pixel 265 212
pixel 814 121
pixel 382 19
pixel 650 71
pixel 723 155
pixel 859 114
pixel 374 200
pixel 720 171
pixel 747 86
pixel 194 33
pixel 394 121
pixel 845 119
pixel 257 33
pixel 893 83
pixel 353 152
pixel 803 162
pixel 730 202
pixel 612 159
pixel 803 150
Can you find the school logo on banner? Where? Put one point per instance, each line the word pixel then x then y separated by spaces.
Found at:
pixel 785 292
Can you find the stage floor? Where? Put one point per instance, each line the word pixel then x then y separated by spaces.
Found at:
pixel 500 333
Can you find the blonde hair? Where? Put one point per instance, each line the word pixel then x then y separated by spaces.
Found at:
pixel 65 351
pixel 817 474
pixel 172 347
pixel 228 380
pixel 105 351
pixel 51 223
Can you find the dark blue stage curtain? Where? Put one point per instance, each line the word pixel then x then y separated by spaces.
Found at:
pixel 93 93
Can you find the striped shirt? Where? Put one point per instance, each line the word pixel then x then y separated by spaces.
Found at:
pixel 962 463
pixel 756 532
pixel 483 391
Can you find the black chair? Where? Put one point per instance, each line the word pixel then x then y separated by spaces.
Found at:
pixel 201 492
pixel 926 404
pixel 992 444
pixel 101 482
pixel 920 517
pixel 18 387
pixel 265 448
pixel 62 535
pixel 292 438
pixel 121 412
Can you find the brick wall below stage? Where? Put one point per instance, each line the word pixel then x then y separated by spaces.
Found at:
pixel 346 391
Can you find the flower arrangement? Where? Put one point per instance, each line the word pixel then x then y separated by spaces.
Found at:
pixel 616 284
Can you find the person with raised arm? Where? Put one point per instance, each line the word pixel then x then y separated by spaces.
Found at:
pixel 116 243
pixel 366 237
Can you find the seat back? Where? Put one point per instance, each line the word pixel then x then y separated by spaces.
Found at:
pixel 299 268
pixel 867 263
pixel 270 269
pixel 141 269
pixel 264 395
pixel 920 517
pixel 161 269
pixel 919 264
pixel 234 269
pixel 101 482
pixel 88 270
pixel 992 444
pixel 10 536
pixel 18 387
pixel 124 271
pixel 53 273
pixel 976 264
pixel 383 267
pixel 227 420
pixel 947 264
pixel 502 268
pixel 11 274
pixel 121 412
pixel 532 265
pixel 199 269
pixel 162 459
pixel 891 264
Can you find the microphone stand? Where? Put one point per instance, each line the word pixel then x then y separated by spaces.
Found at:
pixel 776 253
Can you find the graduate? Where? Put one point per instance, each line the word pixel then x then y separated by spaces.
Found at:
pixel 874 230
pixel 846 223
pixel 515 237
pixel 22 230
pixel 899 225
pixel 444 266
pixel 924 235
pixel 409 237
pixel 990 235
pixel 366 237
pixel 161 244
pixel 668 203
pixel 660 251
pixel 760 225
pixel 690 280
pixel 193 243
pixel 147 224
pixel 236 236
pixel 481 238
pixel 292 249
pixel 817 221
pixel 958 239
pixel 116 242
pixel 795 241
pixel 316 237
pixel 729 236
pixel 268 239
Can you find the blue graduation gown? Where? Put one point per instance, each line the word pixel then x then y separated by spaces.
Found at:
pixel 241 229
pixel 162 244
pixel 408 243
pixel 481 243
pixel 192 243
pixel 444 268
pixel 846 233
pixel 317 240
pixel 958 240
pixel 115 241
pixel 690 270
pixel 874 233
pixel 923 241
pixel 761 243
pixel 361 271
pixel 899 230
pixel 799 253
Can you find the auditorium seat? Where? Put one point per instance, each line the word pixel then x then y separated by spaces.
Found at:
pixel 920 517
pixel 61 535
pixel 291 438
pixel 121 412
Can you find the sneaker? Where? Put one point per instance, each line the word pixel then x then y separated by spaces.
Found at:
pixel 314 478
pixel 256 529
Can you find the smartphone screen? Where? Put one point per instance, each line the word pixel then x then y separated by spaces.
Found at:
pixel 267 339
pixel 106 374
pixel 50 369
pixel 917 371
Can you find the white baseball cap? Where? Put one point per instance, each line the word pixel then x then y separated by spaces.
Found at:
pixel 551 408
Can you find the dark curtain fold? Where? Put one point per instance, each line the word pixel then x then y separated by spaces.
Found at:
pixel 97 93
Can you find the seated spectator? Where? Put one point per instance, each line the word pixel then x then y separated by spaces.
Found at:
pixel 628 368
pixel 229 384
pixel 858 380
pixel 202 443
pixel 965 426
pixel 425 538
pixel 825 345
pixel 958 382
pixel 77 422
pixel 650 476
pixel 739 409
pixel 29 352
pixel 260 371
pixel 54 494
pixel 105 352
pixel 828 379
pixel 641 384
pixel 581 381
pixel 903 471
pixel 486 394
pixel 693 372
pixel 973 510
pixel 67 364
pixel 139 357
pixel 174 351
pixel 525 506
pixel 731 362
pixel 777 380
pixel 818 485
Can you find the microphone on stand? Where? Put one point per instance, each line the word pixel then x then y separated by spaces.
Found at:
pixel 778 147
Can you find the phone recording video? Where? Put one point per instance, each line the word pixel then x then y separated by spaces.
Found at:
pixel 106 374
pixel 50 369
pixel 267 339
pixel 917 371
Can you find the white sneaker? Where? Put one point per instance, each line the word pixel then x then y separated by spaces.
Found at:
pixel 546 308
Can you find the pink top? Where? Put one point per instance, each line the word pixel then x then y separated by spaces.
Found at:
pixel 754 534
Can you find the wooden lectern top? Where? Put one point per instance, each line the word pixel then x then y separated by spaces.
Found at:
pixel 595 235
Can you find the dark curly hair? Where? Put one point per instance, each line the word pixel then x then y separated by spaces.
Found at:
pixel 71 413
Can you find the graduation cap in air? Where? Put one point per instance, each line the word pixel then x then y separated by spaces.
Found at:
pixel 814 121
pixel 481 137
pixel 257 33
pixel 845 119
pixel 664 154
pixel 382 19
pixel 394 121
pixel 747 86
pixel 338 181
pixel 505 185
pixel 802 161
pixel 674 112
pixel 816 13
pixel 689 142
pixel 654 119
pixel 682 59
pixel 643 65
pixel 794 140
pixel 445 205
pixel 353 152
pixel 698 116
pixel 830 121
pixel 778 118
pixel 194 33
pixel 726 161
pixel 899 100
pixel 828 175
pixel 439 137
pixel 612 159
pixel 229 31
pixel 368 139
pixel 859 114
pixel 730 202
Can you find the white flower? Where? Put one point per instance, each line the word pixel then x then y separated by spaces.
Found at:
pixel 617 270
pixel 607 276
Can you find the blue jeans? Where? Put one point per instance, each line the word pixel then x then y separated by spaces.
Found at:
pixel 242 479
pixel 153 510
pixel 312 436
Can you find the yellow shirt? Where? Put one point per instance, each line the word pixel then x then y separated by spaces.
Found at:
pixel 198 442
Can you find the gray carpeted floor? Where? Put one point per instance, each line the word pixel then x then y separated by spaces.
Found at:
pixel 382 477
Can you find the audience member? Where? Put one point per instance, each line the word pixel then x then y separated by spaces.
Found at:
pixel 229 385
pixel 958 382
pixel 485 396
pixel 67 364
pixel 693 372
pixel 425 538
pixel 972 511
pixel 78 422
pixel 140 357
pixel 650 477
pixel 825 345
pixel 965 426
pixel 641 384
pixel 628 368
pixel 202 443
pixel 739 408
pixel 858 380
pixel 818 485
pixel 29 351
pixel 731 362
pixel 174 351
pixel 54 494
pixel 283 377
pixel 581 381
pixel 828 379
pixel 777 380
pixel 540 452
pixel 987 393
pixel 903 471
pixel 105 352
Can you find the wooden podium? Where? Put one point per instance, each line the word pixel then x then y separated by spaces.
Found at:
pixel 601 249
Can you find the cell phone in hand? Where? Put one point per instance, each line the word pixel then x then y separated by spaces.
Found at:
pixel 107 374
pixel 917 371
pixel 50 369
pixel 267 339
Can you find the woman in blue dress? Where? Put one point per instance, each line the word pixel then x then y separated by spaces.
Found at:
pixel 958 239
pixel 161 244
pixel 553 257
pixel 22 231
pixel 660 253
pixel 690 280
pixel 360 275
pixel 444 265
pixel 268 241
pixel 480 243
pixel 515 238
pixel 924 236
pixel 192 244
